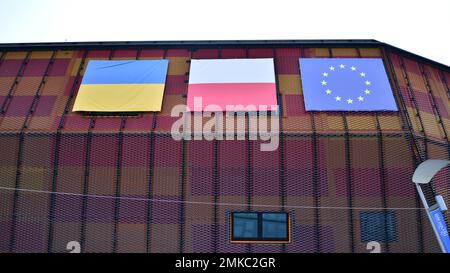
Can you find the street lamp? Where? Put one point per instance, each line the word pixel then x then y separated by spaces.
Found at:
pixel 423 174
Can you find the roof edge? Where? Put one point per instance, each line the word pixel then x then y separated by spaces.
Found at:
pixel 193 44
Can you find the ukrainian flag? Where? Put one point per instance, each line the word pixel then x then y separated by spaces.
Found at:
pixel 122 86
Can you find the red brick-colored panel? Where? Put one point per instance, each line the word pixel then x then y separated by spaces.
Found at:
pixel 260 53
pixel 10 68
pixel 36 68
pixel 178 53
pixel 156 53
pixel 175 85
pixel 230 53
pixel 127 53
pixel 59 67
pixel 206 54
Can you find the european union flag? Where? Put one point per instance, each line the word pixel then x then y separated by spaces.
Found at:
pixel 350 84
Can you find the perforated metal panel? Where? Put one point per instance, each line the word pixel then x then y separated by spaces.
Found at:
pixel 123 184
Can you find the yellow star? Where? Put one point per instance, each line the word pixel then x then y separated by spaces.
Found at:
pixel 367 91
pixel 328 91
pixel 360 98
pixel 362 74
pixel 353 68
pixel 349 101
pixel 368 83
pixel 342 66
pixel 338 98
pixel 332 68
pixel 325 74
pixel 324 82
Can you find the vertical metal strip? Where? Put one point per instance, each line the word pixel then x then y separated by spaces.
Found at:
pixel 20 152
pixel 118 185
pixel 348 165
pixel 216 189
pixel 428 189
pixel 409 135
pixel 349 183
pixel 150 176
pixel 424 156
pixel 315 176
pixel 383 181
pixel 19 75
pixel 382 172
pixel 56 154
pixel 119 175
pixel 407 126
pixel 433 100
pixel 2 57
pixel 37 94
pixel 444 82
pixel 437 112
pixel 249 163
pixel 183 183
pixel 87 163
pixel 16 193
pixel 281 148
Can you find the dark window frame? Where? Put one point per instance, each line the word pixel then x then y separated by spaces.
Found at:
pixel 260 238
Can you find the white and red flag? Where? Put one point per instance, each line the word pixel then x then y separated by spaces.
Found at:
pixel 232 82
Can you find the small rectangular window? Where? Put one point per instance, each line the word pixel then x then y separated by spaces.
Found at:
pixel 260 227
pixel 378 226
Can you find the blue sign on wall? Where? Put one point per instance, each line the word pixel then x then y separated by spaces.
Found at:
pixel 439 223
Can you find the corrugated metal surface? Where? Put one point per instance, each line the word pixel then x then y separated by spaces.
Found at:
pixel 122 184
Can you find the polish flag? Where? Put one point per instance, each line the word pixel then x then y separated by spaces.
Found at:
pixel 232 82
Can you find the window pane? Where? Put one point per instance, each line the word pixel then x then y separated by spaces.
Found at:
pixel 378 226
pixel 275 226
pixel 245 225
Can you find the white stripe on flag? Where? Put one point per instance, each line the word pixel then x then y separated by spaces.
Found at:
pixel 232 71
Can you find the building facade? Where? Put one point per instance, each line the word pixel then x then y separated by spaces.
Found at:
pixel 123 184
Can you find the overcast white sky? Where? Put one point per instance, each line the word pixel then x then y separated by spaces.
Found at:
pixel 422 27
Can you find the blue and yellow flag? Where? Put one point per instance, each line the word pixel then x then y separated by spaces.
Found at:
pixel 122 86
pixel 346 84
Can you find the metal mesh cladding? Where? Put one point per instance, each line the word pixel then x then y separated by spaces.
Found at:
pixel 162 195
pixel 122 184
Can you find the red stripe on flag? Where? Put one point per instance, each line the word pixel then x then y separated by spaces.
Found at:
pixel 223 94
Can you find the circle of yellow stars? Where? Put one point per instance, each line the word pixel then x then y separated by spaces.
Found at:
pixel 324 83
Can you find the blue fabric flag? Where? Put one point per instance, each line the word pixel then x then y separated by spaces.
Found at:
pixel 346 84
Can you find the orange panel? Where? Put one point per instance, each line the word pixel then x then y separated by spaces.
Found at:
pixel 344 52
pixel 417 82
pixel 5 85
pixel 320 52
pixel 64 54
pixel 169 101
pixel 390 122
pixel 414 119
pixel 55 86
pixel 361 122
pixel 27 86
pixel 335 122
pixel 11 123
pixel 16 55
pixel 289 84
pixel 41 55
pixel 370 52
pixel 431 125
pixel 75 66
pixel 178 66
